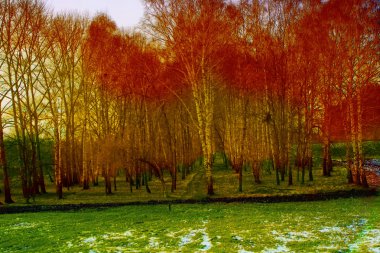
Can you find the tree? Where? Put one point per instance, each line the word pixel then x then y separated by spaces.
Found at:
pixel 4 11
pixel 22 37
pixel 194 31
pixel 355 30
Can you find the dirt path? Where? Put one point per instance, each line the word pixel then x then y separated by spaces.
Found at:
pixel 196 186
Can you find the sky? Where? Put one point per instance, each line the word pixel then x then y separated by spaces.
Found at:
pixel 126 13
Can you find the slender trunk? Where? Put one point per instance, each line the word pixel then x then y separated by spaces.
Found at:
pixel 41 180
pixel 58 170
pixel 40 166
pixel 35 185
pixel 290 178
pixel 256 172
pixel 4 165
pixel 131 184
pixel 326 158
pixel 240 178
pixel 275 153
pixel 174 179
pixel 353 136
pixel 85 167
pixel 107 179
pixel 282 171
pixel 360 143
pixel 310 167
pixel 350 178
pixel 19 125
pixel 327 162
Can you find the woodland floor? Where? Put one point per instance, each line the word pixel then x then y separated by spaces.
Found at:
pixel 192 189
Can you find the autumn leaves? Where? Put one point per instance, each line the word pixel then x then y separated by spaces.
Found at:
pixel 255 80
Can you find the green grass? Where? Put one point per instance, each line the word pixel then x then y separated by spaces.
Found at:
pixel 343 225
pixel 193 187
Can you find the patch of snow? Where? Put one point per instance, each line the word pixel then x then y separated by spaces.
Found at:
pixel 362 222
pixel 128 233
pixel 369 239
pixel 280 248
pixel 280 237
pixel 188 238
pixel 237 238
pixel 355 224
pixel 89 240
pixel 153 242
pixel 304 234
pixel 206 242
pixel 24 225
pixel 330 229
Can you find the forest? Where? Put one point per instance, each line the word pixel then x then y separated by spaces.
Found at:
pixel 254 82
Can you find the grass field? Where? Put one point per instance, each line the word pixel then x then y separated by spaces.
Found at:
pixel 342 225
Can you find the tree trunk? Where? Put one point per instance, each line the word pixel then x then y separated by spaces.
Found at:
pixel 256 172
pixel 360 142
pixel 290 177
pixel 174 179
pixel 310 167
pixel 327 162
pixel 4 165
pixel 107 180
pixel 146 183
pixel 353 135
pixel 40 166
pixel 240 179
pixel 58 170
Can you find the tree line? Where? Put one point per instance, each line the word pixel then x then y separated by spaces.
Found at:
pixel 256 80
